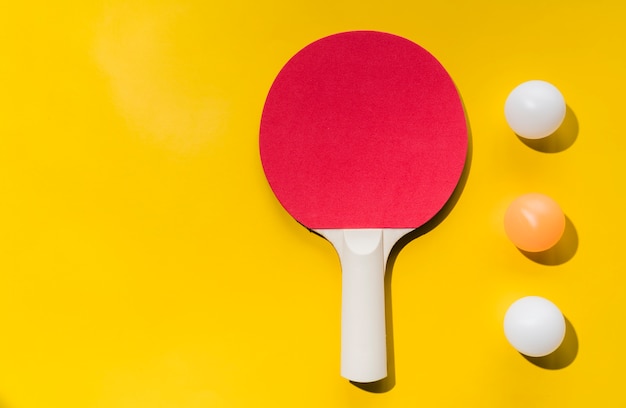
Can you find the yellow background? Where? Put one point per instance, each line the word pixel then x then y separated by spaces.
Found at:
pixel 144 261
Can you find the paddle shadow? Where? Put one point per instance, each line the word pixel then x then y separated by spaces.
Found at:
pixel 560 140
pixel 561 252
pixel 388 383
pixel 562 356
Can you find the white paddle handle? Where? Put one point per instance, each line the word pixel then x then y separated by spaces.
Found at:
pixel 363 254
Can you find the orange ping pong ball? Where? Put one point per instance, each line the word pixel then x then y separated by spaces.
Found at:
pixel 534 222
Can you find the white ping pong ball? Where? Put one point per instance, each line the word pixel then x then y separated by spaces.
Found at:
pixel 534 326
pixel 535 109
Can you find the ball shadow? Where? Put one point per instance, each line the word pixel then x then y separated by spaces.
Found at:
pixel 560 140
pixel 562 356
pixel 563 251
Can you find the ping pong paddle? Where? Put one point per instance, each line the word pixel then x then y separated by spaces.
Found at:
pixel 363 138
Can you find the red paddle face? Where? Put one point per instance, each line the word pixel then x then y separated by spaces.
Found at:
pixel 363 130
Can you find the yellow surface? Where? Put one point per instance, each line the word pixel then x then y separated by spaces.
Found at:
pixel 144 262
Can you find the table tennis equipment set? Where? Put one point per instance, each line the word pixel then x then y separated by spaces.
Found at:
pixel 363 139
